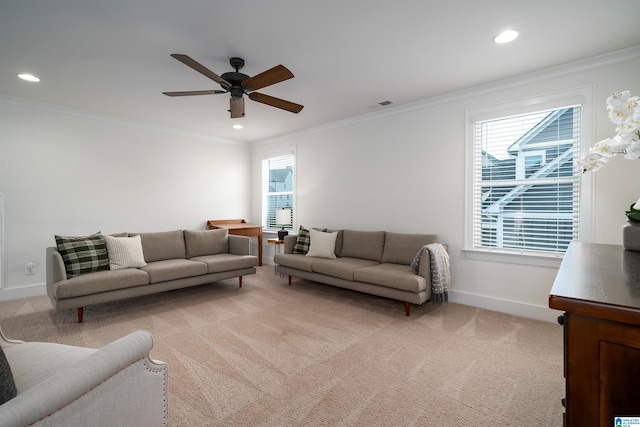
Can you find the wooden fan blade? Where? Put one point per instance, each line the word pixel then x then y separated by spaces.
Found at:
pixel 236 107
pixel 276 102
pixel 272 76
pixel 189 62
pixel 194 92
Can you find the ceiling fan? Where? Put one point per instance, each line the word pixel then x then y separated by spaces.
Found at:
pixel 238 84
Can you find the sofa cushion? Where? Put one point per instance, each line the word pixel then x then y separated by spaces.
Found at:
pixel 363 244
pixel 396 276
pixel 172 269
pixel 322 244
pixel 296 261
pixel 163 245
pixel 339 239
pixel 226 262
pixel 101 281
pixel 83 254
pixel 302 241
pixel 7 385
pixel 340 267
pixel 206 242
pixel 401 248
pixel 124 252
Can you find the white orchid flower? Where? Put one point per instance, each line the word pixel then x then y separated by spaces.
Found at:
pixel 632 152
pixel 608 147
pixel 621 107
pixel 592 162
pixel 624 112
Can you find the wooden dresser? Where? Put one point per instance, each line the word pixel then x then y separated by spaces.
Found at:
pixel 598 288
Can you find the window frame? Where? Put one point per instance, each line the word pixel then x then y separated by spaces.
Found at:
pixel 521 162
pixel 582 96
pixel 264 185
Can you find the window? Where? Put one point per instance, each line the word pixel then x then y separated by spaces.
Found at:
pixel 524 191
pixel 277 189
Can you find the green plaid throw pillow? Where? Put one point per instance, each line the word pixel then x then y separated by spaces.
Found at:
pixel 83 254
pixel 303 241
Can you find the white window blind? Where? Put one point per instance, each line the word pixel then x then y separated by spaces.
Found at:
pixel 526 191
pixel 277 189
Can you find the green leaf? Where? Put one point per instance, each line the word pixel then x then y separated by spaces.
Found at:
pixel 633 215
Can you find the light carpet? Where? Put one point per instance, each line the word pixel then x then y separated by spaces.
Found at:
pixel 315 355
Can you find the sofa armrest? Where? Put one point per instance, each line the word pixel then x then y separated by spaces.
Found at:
pixel 55 271
pixel 289 243
pixel 116 385
pixel 239 245
pixel 425 266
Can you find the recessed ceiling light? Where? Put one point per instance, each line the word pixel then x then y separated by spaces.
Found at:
pixel 237 126
pixel 506 36
pixel 29 77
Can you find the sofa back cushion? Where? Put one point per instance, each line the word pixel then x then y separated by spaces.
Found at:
pixel 401 248
pixel 206 242
pixel 339 238
pixel 163 245
pixel 363 244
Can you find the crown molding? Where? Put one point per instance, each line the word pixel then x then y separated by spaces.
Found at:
pixel 43 106
pixel 612 58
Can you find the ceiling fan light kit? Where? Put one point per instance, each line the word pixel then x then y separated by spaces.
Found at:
pixel 238 84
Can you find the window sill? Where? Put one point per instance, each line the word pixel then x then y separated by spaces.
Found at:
pixel 542 260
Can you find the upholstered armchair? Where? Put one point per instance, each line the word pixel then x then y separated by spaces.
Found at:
pixel 62 385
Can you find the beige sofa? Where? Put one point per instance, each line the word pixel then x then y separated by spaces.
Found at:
pixel 62 385
pixel 174 259
pixel 373 262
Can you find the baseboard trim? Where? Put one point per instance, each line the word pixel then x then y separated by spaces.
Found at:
pixel 22 292
pixel 482 301
pixel 504 306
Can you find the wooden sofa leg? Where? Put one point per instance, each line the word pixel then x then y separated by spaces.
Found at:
pixel 240 280
pixel 80 314
pixel 289 280
pixel 407 307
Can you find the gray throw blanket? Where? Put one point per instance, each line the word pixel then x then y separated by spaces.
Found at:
pixel 440 273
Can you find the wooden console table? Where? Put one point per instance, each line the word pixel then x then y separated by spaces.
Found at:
pixel 598 288
pixel 240 227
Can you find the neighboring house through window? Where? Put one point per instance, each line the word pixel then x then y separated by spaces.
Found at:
pixel 277 189
pixel 524 191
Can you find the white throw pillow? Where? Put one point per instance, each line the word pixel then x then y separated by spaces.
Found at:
pixel 124 252
pixel 323 244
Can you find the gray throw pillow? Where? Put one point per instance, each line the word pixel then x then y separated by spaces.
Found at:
pixel 7 385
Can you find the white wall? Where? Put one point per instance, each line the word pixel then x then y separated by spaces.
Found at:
pixel 405 173
pixel 69 173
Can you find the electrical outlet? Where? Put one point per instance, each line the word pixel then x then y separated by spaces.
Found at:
pixel 30 268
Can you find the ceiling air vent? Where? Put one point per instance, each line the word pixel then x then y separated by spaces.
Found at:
pixel 385 103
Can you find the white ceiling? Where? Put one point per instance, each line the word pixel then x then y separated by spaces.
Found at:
pixel 111 57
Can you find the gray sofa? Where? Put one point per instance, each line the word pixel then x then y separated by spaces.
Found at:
pixel 63 385
pixel 373 262
pixel 174 259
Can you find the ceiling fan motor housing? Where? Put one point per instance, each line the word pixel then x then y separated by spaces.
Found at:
pixel 235 78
